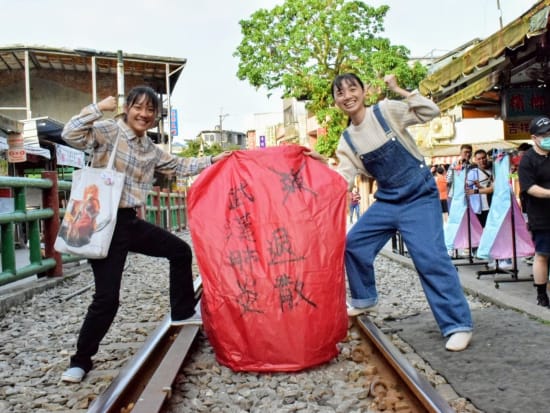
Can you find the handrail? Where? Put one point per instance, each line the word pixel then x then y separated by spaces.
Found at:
pixel 42 225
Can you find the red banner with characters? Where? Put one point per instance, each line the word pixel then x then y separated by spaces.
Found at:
pixel 268 228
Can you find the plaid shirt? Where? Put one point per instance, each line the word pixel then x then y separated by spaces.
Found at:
pixel 138 157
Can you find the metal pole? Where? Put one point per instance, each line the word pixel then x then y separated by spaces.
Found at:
pixel 169 108
pixel 27 85
pixel 500 12
pixel 94 82
pixel 120 82
pixel 222 117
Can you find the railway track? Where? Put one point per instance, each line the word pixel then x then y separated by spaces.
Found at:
pixel 394 384
pixel 145 383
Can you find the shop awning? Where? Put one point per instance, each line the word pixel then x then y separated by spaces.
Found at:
pixel 478 68
pixel 446 154
pixel 470 91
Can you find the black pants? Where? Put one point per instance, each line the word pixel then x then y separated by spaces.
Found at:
pixel 133 235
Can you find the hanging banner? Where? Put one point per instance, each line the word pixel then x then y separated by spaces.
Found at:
pixel 69 156
pixel 16 149
pixel 30 133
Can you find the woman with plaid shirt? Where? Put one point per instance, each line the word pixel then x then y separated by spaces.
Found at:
pixel 139 158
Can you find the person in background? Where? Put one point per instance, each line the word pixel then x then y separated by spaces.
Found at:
pixel 514 166
pixel 534 181
pixel 139 158
pixel 463 162
pixel 354 205
pixel 514 178
pixel 479 182
pixel 407 201
pixel 441 182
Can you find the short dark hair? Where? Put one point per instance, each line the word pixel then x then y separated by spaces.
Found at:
pixel 137 92
pixel 345 77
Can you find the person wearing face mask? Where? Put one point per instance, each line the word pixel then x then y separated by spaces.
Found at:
pixel 534 181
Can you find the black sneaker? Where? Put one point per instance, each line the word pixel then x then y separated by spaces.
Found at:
pixel 542 300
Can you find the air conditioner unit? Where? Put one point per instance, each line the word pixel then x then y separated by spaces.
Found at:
pixel 442 128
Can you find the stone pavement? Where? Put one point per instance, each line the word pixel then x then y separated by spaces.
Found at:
pixel 518 295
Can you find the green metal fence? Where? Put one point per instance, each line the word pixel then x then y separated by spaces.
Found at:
pixel 39 226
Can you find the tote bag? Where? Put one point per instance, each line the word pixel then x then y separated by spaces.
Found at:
pixel 90 216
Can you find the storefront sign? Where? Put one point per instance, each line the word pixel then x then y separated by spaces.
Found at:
pixel 525 102
pixel 69 156
pixel 174 122
pixel 16 150
pixel 516 129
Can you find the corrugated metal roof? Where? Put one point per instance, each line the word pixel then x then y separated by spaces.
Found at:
pixel 508 54
pixel 12 58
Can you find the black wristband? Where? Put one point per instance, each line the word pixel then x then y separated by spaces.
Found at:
pixel 476 191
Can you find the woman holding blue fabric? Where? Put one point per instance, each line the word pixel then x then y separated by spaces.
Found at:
pixel 377 143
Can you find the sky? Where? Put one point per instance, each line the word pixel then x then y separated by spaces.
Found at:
pixel 207 33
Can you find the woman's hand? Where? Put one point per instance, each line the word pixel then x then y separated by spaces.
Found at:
pixel 315 155
pixel 391 83
pixel 221 156
pixel 109 104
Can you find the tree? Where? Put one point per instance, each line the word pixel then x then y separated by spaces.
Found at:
pixel 301 45
pixel 193 149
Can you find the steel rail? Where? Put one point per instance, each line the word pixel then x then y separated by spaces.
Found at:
pixel 430 399
pixel 146 379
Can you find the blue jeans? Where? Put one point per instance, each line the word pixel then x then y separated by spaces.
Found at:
pixel 419 222
pixel 354 210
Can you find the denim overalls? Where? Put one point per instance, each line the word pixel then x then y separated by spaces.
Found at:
pixel 407 201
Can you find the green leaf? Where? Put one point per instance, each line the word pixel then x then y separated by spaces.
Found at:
pixel 301 45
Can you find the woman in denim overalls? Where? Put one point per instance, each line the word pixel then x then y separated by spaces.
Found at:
pixel 377 143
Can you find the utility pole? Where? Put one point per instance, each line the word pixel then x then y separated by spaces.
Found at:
pixel 120 83
pixel 500 15
pixel 222 117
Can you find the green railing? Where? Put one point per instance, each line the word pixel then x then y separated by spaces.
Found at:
pixel 41 225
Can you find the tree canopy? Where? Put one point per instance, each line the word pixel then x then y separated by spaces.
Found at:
pixel 197 148
pixel 301 45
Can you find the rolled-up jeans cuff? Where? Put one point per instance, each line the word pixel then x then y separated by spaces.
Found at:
pixel 457 330
pixel 363 302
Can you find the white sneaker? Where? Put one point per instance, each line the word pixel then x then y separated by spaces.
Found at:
pixel 459 341
pixel 73 375
pixel 506 264
pixel 355 311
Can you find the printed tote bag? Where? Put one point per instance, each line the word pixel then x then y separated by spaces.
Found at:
pixel 90 216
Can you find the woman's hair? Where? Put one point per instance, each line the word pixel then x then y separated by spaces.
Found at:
pixel 345 77
pixel 135 96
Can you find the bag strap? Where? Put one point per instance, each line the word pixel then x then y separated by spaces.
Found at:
pixel 111 162
pixel 112 157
